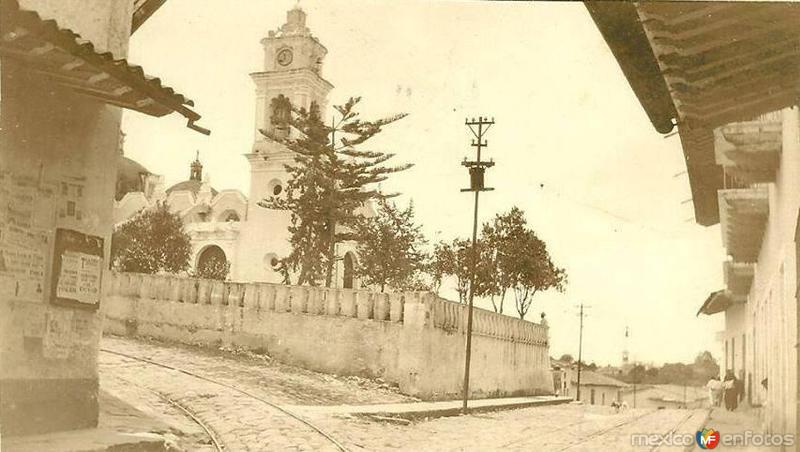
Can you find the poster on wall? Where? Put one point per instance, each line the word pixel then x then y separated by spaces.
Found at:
pixel 77 269
pixel 24 241
pixel 58 338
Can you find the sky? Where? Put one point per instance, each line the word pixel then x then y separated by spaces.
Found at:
pixel 572 145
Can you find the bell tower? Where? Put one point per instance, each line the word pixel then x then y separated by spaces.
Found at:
pixel 291 79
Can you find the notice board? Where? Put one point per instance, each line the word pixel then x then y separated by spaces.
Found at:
pixel 77 269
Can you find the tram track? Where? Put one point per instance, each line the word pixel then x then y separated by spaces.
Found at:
pixel 218 443
pixel 674 429
pixel 210 432
pixel 603 431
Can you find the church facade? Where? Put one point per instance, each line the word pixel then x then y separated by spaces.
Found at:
pixel 228 223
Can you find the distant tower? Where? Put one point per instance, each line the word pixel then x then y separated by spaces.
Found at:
pixel 625 357
pixel 196 169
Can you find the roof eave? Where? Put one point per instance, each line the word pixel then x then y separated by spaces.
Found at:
pixel 143 10
pixel 619 24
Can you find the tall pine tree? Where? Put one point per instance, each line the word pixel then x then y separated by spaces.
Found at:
pixel 329 181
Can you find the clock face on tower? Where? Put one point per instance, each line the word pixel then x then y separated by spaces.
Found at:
pixel 285 57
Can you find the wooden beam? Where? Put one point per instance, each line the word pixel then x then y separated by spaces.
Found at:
pixel 698 64
pixel 706 109
pixel 707 24
pixel 670 14
pixel 42 50
pixel 72 65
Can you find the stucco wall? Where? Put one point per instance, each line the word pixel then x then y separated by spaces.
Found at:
pixel 603 395
pixel 56 148
pixel 415 340
pixel 771 318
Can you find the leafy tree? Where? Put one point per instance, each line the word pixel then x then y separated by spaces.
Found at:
pixel 637 374
pixel 532 271
pixel 704 367
pixel 497 267
pixel 329 181
pixel 566 358
pixel 153 241
pixel 452 259
pixel 215 267
pixel 440 264
pixel 390 248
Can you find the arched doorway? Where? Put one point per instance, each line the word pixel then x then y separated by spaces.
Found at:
pixel 349 270
pixel 212 263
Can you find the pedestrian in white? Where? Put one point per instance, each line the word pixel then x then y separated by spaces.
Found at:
pixel 714 387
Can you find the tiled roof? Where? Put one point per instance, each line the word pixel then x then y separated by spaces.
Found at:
pixel 65 58
pixel 590 378
pixel 702 65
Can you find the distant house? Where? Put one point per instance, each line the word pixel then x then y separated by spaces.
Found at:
pixel 596 388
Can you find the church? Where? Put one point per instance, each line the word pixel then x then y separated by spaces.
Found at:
pixel 226 223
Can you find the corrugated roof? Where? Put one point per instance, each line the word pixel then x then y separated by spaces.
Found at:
pixel 65 58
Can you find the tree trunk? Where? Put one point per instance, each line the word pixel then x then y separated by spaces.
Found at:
pixel 331 254
pixel 502 299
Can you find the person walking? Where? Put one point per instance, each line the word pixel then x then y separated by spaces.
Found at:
pixel 714 387
pixel 738 384
pixel 729 391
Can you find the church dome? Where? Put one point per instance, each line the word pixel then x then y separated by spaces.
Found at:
pixel 130 177
pixel 195 179
pixel 191 185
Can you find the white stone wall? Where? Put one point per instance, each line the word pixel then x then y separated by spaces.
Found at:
pixel 415 340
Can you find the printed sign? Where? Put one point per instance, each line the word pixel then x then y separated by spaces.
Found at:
pixel 22 273
pixel 57 340
pixel 26 210
pixel 77 269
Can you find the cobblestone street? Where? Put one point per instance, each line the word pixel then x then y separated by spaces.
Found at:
pixel 231 398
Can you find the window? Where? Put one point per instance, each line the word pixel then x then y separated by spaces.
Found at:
pixel 275 187
pixel 271 262
pixel 349 270
pixel 591 397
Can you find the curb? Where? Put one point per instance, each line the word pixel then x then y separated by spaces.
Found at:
pixel 455 411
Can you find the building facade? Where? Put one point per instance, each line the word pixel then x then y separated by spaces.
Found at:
pixel 228 223
pixel 64 80
pixel 725 76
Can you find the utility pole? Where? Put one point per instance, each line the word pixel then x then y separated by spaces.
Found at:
pixel 477 169
pixel 580 355
pixel 684 394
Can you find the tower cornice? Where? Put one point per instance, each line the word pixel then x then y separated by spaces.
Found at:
pixel 291 75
